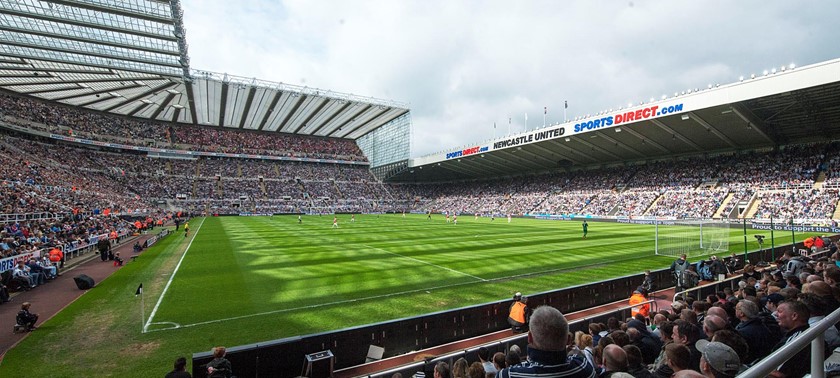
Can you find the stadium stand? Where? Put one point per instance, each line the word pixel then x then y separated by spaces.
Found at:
pixel 62 189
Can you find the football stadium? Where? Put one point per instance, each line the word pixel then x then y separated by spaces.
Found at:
pixel 153 212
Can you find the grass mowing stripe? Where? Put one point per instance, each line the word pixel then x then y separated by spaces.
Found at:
pixel 171 278
pixel 425 262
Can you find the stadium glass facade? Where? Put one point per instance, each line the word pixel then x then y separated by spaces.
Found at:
pixel 389 143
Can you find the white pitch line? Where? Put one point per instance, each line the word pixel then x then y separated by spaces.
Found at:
pixel 427 263
pixel 498 279
pixel 309 307
pixel 171 278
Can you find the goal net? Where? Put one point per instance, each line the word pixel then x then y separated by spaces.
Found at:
pixel 691 237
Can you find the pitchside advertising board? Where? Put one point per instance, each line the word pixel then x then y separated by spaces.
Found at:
pixel 9 263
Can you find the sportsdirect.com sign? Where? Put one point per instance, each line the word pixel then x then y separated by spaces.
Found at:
pixel 636 115
pixel 561 131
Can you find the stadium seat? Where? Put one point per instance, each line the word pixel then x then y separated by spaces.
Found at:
pixel 375 353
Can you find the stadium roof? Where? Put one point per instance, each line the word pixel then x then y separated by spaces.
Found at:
pixel 129 57
pixel 784 106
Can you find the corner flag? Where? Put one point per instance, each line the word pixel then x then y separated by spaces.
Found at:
pixel 139 290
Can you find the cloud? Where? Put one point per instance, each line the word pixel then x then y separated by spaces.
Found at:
pixel 464 65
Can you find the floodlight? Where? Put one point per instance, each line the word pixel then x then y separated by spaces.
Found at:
pixel 784 68
pixel 684 117
pixel 568 139
pixel 773 70
pixel 618 129
pixel 765 72
pixel 710 86
pixel 752 76
pixel 664 97
pixel 792 66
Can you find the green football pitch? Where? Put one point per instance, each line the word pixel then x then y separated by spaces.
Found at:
pixel 241 280
pixel 270 266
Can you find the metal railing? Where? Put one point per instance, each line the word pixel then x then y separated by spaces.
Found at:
pixel 700 288
pixel 814 336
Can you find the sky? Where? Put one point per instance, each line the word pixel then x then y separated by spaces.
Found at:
pixel 465 66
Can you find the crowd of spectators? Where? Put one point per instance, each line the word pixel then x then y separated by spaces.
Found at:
pixel 725 333
pixel 58 175
pixel 60 119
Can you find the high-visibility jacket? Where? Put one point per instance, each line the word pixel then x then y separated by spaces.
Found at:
pixel 56 255
pixel 517 312
pixel 113 235
pixel 644 309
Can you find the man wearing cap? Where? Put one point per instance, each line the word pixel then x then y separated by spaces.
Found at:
pixel 518 313
pixel 718 359
pixel 547 358
pixel 772 304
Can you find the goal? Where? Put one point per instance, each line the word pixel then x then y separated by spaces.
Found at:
pixel 692 237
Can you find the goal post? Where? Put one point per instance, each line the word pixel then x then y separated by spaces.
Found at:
pixel 692 237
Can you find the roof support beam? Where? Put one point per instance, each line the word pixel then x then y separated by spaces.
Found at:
pixel 270 110
pixel 191 100
pixel 712 129
pixel 223 103
pixel 54 89
pixel 247 107
pixel 752 121
pixel 95 101
pixel 140 96
pixel 138 108
pixel 292 112
pixel 162 106
pixel 332 117
pixel 311 115
pixel 101 91
pixel 647 141
pixel 620 144
pixel 675 134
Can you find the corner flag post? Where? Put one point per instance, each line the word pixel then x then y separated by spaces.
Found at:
pixel 142 308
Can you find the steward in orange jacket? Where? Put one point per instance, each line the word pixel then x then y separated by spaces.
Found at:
pixel 635 301
pixel 518 314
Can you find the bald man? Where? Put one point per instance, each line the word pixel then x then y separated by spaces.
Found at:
pixel 548 337
pixel 615 360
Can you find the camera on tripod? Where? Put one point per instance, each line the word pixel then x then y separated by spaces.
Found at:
pixel 759 239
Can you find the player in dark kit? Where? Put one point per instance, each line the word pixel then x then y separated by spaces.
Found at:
pixel 585 229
